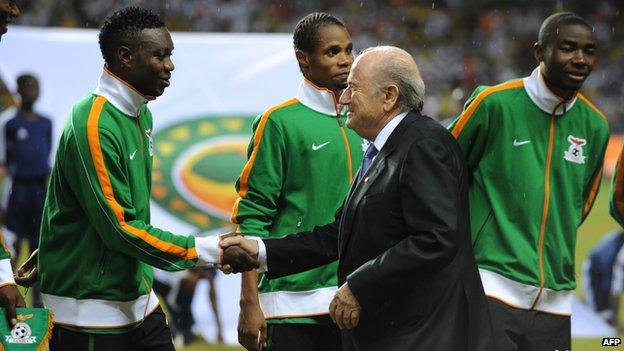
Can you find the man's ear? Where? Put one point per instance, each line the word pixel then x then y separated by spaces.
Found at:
pixel 125 56
pixel 303 59
pixel 391 97
pixel 538 52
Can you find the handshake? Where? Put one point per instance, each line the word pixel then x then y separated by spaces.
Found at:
pixel 238 254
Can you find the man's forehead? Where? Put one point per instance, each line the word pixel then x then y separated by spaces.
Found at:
pixel 157 36
pixel 575 31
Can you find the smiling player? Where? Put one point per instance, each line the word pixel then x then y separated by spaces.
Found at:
pixel 535 147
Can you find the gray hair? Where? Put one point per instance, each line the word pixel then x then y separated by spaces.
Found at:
pixel 399 68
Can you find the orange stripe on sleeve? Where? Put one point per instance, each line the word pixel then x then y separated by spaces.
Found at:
pixel 95 149
pixel 244 178
pixel 468 113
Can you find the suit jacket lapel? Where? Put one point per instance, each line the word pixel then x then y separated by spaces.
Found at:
pixel 358 190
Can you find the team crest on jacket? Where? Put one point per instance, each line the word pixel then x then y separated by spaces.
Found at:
pixel 150 142
pixel 575 151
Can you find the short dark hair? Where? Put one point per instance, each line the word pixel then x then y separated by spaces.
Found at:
pixel 123 28
pixel 23 78
pixel 550 26
pixel 306 31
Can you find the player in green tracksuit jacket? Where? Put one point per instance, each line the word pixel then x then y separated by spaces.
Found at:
pixel 535 147
pixel 616 198
pixel 97 246
pixel 301 162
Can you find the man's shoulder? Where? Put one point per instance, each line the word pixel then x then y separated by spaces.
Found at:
pixel 283 109
pixel 89 107
pixel 497 93
pixel 596 116
pixel 425 127
pixel 278 113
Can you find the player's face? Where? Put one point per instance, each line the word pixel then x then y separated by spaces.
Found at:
pixel 329 64
pixel 8 12
pixel 363 98
pixel 569 59
pixel 151 65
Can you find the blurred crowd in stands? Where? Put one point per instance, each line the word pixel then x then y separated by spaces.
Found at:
pixel 458 44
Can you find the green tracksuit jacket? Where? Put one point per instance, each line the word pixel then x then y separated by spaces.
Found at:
pixel 536 172
pixel 616 198
pixel 301 161
pixel 97 246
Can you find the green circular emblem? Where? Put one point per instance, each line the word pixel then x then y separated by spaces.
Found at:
pixel 196 163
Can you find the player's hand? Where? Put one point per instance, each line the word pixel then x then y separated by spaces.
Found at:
pixel 27 273
pixel 249 245
pixel 238 259
pixel 10 299
pixel 252 327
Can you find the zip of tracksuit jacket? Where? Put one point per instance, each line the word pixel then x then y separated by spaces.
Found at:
pixel 97 246
pixel 536 165
pixel 301 161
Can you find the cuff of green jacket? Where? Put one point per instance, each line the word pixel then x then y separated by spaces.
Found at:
pixel 6 272
pixel 208 249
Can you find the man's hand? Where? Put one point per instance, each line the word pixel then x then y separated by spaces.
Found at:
pixel 251 322
pixel 10 298
pixel 27 273
pixel 249 245
pixel 238 259
pixel 344 309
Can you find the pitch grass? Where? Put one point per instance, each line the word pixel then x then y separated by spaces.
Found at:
pixel 597 224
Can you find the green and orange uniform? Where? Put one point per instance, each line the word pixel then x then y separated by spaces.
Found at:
pixel 536 164
pixel 97 246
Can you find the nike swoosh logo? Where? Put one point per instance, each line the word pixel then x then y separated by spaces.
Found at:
pixel 520 143
pixel 316 147
pixel 132 155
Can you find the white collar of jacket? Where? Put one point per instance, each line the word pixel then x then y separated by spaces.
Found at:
pixel 319 99
pixel 119 93
pixel 542 96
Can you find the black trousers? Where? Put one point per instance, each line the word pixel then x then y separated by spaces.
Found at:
pixel 523 330
pixel 152 335
pixel 303 337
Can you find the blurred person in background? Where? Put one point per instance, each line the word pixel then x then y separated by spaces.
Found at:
pixel 603 277
pixel 535 147
pixel 28 143
pixel 301 162
pixel 603 271
pixel 178 293
pixel 10 297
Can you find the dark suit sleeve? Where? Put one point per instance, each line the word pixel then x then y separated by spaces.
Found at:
pixel 302 251
pixel 430 199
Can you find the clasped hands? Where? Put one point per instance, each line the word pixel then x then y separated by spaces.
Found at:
pixel 240 253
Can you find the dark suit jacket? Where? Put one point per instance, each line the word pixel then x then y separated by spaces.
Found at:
pixel 403 242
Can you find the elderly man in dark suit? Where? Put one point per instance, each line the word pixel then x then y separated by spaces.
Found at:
pixel 406 267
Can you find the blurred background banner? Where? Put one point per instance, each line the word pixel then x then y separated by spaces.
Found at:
pixel 202 123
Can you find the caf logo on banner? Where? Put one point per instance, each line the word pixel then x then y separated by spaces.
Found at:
pixel 196 163
pixel 21 333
